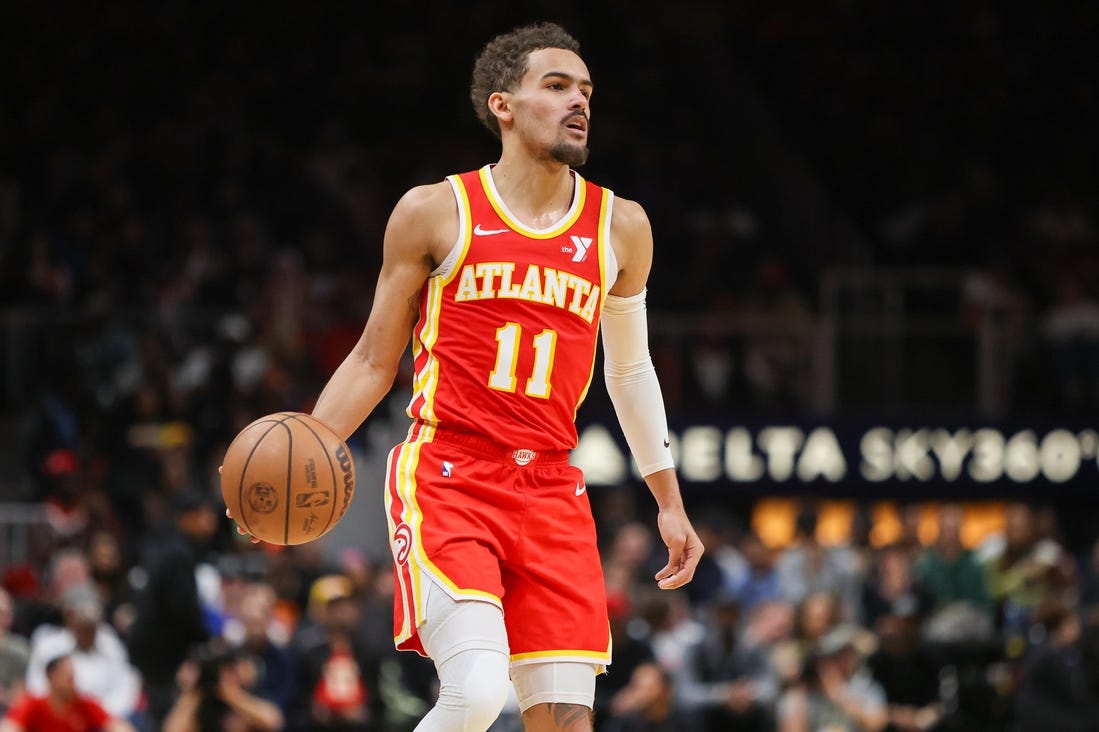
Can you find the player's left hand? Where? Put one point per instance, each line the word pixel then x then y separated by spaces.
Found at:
pixel 684 548
pixel 240 529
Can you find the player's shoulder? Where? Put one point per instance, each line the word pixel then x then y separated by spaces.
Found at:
pixel 426 199
pixel 629 219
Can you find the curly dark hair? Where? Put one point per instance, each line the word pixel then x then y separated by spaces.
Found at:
pixel 503 61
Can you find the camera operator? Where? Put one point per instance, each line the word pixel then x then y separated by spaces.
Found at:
pixel 216 695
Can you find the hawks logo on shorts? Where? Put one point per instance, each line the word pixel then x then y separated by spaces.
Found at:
pixel 402 543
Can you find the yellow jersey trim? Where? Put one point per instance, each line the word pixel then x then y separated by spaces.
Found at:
pixel 570 217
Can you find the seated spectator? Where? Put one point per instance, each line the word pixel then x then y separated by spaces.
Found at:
pixel 722 567
pixel 950 572
pixel 62 708
pixel 724 680
pixel 814 618
pixel 631 650
pixel 648 704
pixel 14 654
pixel 890 589
pixel 907 674
pixel 835 692
pixel 807 567
pixel 337 684
pixel 1054 693
pixel 218 693
pixel 275 661
pixel 98 657
pixel 1024 572
pixel 759 583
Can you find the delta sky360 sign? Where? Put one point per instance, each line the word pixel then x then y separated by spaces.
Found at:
pixel 871 454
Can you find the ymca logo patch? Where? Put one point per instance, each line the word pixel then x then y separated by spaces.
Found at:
pixel 582 244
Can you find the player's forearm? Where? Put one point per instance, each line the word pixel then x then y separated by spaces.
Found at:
pixel 664 485
pixel 352 392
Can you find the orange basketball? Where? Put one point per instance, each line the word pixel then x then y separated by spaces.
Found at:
pixel 287 478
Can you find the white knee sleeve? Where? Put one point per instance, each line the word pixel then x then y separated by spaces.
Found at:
pixel 473 686
pixel 467 640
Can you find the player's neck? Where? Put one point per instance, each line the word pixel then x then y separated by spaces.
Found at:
pixel 533 189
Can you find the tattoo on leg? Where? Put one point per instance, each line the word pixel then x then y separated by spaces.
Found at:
pixel 567 715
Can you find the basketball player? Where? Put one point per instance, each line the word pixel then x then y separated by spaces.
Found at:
pixel 504 276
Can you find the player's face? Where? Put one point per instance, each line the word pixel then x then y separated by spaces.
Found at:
pixel 552 105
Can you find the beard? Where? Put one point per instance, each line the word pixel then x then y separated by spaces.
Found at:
pixel 571 155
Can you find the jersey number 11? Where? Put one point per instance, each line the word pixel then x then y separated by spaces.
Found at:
pixel 503 377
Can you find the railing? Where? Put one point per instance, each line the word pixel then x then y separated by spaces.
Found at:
pixel 877 338
pixel 19 523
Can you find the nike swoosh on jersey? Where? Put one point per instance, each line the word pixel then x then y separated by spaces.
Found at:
pixel 581 489
pixel 477 230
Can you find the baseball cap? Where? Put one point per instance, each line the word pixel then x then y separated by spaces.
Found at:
pixel 330 587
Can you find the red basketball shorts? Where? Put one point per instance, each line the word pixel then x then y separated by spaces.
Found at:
pixel 506 526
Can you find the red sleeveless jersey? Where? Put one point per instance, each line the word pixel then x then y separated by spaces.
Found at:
pixel 505 343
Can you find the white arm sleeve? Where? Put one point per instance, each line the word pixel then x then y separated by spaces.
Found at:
pixel 632 384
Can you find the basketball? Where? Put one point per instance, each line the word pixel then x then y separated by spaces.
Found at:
pixel 287 478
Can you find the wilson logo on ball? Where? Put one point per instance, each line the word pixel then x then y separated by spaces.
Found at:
pixel 402 543
pixel 262 497
pixel 348 476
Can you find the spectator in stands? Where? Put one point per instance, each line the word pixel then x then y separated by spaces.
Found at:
pixel 14 654
pixel 275 661
pixel 1022 574
pixel 100 663
pixel 631 650
pixel 1054 693
pixel 108 573
pixel 776 354
pixel 170 600
pixel 835 692
pixel 648 704
pixel 62 709
pixel 1071 328
pixel 68 568
pixel 218 694
pixel 725 680
pixel 673 627
pixel 908 675
pixel 955 583
pixel 807 567
pixel 891 589
pixel 814 618
pixel 760 582
pixel 949 571
pixel 1089 584
pixel 337 683
pixel 722 567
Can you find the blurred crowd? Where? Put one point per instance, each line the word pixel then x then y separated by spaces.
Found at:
pixel 170 166
pixel 192 199
pixel 202 630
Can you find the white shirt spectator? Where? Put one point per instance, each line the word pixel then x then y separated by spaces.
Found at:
pixel 103 670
